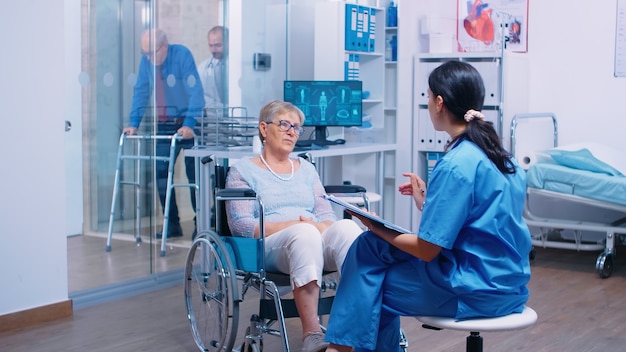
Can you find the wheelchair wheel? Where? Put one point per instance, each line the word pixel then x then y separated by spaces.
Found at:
pixel 211 294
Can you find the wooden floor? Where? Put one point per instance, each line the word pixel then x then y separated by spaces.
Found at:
pixel 578 311
pixel 91 266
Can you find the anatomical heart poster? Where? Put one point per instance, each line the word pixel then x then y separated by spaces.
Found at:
pixel 486 25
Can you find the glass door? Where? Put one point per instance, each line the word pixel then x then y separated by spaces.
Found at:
pixel 122 209
pixel 118 61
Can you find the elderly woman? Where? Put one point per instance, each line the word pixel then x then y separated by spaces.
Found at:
pixel 303 236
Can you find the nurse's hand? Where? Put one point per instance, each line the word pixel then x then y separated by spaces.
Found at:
pixel 416 187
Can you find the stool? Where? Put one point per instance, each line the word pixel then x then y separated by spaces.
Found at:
pixel 514 321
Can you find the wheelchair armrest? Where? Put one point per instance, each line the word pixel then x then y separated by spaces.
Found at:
pixel 344 189
pixel 348 189
pixel 232 194
pixel 236 193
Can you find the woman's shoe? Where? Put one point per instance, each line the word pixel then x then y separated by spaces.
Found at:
pixel 314 343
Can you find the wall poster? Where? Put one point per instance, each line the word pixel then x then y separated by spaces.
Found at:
pixel 482 25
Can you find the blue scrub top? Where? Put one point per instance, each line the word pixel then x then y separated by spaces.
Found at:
pixel 485 242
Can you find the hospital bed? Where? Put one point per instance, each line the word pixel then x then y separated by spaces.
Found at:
pixel 574 200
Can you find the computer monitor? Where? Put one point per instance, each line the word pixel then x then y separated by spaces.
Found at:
pixel 326 103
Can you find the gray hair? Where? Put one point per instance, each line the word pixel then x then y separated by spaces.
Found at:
pixel 159 38
pixel 156 36
pixel 278 107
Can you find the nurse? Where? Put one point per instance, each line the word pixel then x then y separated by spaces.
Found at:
pixel 470 257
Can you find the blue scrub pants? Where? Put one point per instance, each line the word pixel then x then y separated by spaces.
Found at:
pixel 379 283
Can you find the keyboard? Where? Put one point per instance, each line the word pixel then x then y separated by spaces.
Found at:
pixel 307 143
pixel 298 148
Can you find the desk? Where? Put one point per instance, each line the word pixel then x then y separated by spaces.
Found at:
pixel 204 174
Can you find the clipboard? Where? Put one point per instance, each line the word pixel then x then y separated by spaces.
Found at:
pixel 357 210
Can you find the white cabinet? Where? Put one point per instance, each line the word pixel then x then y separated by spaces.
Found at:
pixel 391 80
pixel 498 73
pixel 334 54
pixel 490 69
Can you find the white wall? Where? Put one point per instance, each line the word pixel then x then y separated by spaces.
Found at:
pixel 264 30
pixel 570 59
pixel 33 250
pixel 570 55
pixel 571 50
pixel 300 39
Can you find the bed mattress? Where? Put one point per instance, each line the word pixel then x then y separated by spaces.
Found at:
pixel 582 183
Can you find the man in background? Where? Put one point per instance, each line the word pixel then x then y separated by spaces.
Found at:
pixel 169 72
pixel 213 72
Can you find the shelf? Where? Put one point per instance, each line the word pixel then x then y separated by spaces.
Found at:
pixel 363 53
pixel 460 55
pixel 333 62
pixel 490 68
pixel 391 63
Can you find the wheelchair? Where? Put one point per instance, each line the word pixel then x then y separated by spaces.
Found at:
pixel 220 269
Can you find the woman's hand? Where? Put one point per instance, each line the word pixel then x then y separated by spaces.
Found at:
pixel 416 187
pixel 321 226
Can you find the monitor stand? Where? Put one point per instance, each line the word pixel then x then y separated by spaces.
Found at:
pixel 320 138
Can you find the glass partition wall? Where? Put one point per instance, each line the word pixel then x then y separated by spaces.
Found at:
pixel 120 247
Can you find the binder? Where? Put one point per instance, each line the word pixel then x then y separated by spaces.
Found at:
pixel 425 131
pixel 372 31
pixel 352 12
pixel 351 67
pixel 431 161
pixel 362 28
pixel 354 68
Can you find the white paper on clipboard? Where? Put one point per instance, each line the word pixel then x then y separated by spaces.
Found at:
pixel 364 213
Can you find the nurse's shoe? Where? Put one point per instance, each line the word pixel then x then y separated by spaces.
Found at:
pixel 314 343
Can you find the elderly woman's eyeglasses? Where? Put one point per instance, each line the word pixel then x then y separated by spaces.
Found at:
pixel 286 126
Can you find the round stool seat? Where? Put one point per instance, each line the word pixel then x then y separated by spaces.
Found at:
pixel 371 196
pixel 513 321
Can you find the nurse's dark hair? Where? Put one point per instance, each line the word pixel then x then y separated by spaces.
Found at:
pixel 461 87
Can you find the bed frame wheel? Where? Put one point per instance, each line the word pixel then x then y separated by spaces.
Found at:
pixel 604 264
pixel 532 254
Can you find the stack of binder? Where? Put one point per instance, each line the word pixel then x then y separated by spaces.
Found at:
pixel 360 28
pixel 351 67
pixel 360 36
